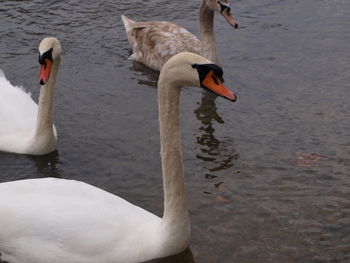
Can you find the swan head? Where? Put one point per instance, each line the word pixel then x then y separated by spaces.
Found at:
pixel 223 7
pixel 189 69
pixel 49 53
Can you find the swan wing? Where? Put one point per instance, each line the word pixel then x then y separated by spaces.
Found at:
pixel 71 221
pixel 155 42
pixel 17 116
pixel 18 111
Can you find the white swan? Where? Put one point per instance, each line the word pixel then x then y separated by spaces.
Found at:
pixel 27 128
pixel 155 42
pixel 57 220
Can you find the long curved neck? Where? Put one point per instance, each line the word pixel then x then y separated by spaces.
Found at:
pixel 44 125
pixel 206 26
pixel 175 201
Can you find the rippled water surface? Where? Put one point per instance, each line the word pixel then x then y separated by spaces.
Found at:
pixel 267 177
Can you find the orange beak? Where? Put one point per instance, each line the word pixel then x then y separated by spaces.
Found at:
pixel 213 83
pixel 45 71
pixel 227 14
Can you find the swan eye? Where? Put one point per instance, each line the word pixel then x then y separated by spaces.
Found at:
pixel 45 55
pixel 204 70
pixel 217 79
pixel 223 7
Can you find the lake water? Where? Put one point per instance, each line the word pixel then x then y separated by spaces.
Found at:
pixel 268 177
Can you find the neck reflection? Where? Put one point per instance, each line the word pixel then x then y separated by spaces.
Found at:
pixel 46 165
pixel 217 155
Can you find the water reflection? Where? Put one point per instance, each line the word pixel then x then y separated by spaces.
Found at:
pixel 206 112
pixel 183 257
pixel 46 165
pixel 150 74
pixel 211 148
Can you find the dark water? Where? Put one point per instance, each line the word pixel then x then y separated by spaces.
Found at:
pixel 267 177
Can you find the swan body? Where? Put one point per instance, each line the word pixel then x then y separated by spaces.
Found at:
pixel 27 128
pixel 58 220
pixel 155 42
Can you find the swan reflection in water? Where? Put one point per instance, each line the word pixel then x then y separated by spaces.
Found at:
pixel 184 257
pixel 151 75
pixel 212 151
pixel 46 165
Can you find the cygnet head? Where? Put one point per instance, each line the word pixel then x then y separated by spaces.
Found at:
pixel 189 69
pixel 49 53
pixel 222 7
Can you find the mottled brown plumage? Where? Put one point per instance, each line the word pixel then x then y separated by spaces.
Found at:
pixel 155 42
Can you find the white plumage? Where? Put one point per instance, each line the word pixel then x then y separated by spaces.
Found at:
pixel 56 220
pixel 18 111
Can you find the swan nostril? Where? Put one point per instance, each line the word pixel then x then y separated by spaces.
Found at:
pixel 215 80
